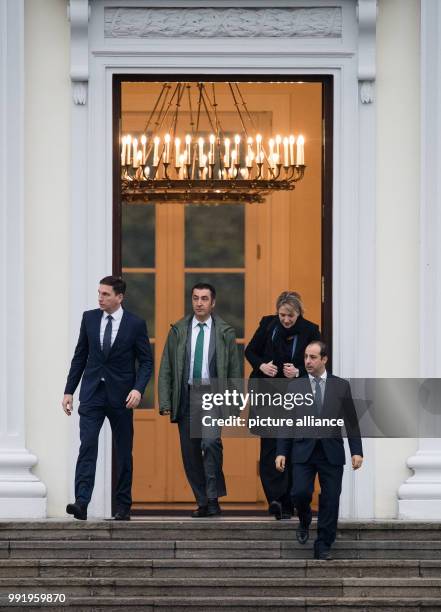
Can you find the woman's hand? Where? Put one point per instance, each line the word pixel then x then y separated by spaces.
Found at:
pixel 290 371
pixel 269 369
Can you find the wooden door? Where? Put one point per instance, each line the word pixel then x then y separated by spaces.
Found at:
pixel 249 252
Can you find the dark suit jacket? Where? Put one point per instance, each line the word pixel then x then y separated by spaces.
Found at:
pixel 338 403
pixel 259 349
pixel 131 345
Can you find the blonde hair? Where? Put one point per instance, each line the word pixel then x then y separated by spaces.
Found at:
pixel 291 299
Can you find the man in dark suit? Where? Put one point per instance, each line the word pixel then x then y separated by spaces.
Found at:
pixel 325 455
pixel 111 341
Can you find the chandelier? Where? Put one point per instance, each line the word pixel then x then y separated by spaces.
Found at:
pixel 173 160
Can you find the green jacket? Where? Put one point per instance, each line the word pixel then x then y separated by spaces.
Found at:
pixel 173 358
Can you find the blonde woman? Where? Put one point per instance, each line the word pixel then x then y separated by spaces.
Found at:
pixel 277 351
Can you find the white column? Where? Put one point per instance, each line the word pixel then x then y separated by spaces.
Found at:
pixel 420 495
pixel 22 495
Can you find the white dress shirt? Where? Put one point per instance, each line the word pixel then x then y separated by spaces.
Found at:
pixel 194 334
pixel 116 316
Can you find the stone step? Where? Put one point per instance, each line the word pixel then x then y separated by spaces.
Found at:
pixel 214 549
pixel 241 604
pixel 228 587
pixel 210 529
pixel 217 568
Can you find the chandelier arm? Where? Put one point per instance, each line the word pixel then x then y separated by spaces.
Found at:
pixel 216 116
pixel 161 115
pixel 219 131
pixel 164 87
pixel 199 106
pixel 164 117
pixel 215 128
pixel 245 106
pixel 176 111
pixel 181 91
pixel 238 110
pixel 193 165
pixel 204 101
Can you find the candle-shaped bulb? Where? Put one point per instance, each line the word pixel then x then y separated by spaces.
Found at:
pixel 123 151
pixel 167 139
pixel 143 143
pixel 128 146
pixel 211 154
pixel 177 151
pixel 278 142
pixel 286 152
pixel 187 149
pixel 156 142
pixel 250 147
pixel 291 150
pixel 227 153
pixel 135 153
pixel 300 151
pixel 237 143
pixel 201 152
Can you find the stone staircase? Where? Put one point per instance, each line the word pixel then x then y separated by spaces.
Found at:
pixel 236 564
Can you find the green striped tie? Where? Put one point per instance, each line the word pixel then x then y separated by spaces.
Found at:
pixel 198 353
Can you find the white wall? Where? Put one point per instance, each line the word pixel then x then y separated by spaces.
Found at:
pixel 398 190
pixel 46 173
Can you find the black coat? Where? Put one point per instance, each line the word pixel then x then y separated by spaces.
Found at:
pixel 338 403
pixel 260 348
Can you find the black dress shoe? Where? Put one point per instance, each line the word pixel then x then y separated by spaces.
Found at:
pixel 302 531
pixel 286 515
pixel 122 515
pixel 323 555
pixel 275 508
pixel 78 509
pixel 302 534
pixel 213 508
pixel 200 512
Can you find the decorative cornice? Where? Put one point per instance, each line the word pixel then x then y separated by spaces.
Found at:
pixel 311 22
pixel 78 13
pixel 367 12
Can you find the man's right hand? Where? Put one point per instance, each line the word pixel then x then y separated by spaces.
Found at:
pixel 67 404
pixel 280 463
pixel 269 369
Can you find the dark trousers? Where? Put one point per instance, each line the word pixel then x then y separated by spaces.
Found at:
pixel 202 458
pixel 92 415
pixel 330 477
pixel 276 485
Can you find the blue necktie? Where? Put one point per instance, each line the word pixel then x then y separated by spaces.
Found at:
pixel 107 339
pixel 318 395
